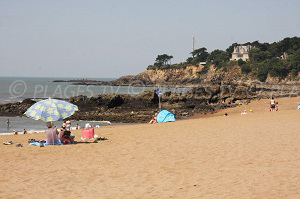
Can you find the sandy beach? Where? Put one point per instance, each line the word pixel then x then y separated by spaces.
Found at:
pixel 256 155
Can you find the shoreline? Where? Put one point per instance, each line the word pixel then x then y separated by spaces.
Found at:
pixel 217 113
pixel 73 128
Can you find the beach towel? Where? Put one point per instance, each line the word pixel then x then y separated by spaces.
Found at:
pixel 44 144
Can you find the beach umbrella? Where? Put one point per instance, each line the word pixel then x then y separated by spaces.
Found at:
pixel 50 110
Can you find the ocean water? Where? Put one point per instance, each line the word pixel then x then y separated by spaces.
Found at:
pixel 31 126
pixel 16 89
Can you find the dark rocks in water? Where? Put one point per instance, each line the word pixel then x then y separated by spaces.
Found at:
pixel 28 101
pixel 116 101
pixel 14 109
pixel 140 108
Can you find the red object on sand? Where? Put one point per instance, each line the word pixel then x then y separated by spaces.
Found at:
pixel 89 133
pixel 66 142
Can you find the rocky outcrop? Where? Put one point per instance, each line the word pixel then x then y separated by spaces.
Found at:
pixel 15 109
pixel 126 108
pixel 190 76
pixel 140 108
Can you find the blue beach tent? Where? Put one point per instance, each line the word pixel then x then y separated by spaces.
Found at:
pixel 165 116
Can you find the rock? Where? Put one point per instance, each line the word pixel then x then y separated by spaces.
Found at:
pixel 229 100
pixel 28 101
pixel 116 101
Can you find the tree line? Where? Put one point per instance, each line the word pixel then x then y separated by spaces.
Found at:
pixel 278 59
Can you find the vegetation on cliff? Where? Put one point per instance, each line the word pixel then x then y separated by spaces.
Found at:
pixel 279 59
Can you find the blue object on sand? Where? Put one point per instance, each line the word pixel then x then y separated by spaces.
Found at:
pixel 298 107
pixel 165 116
pixel 44 144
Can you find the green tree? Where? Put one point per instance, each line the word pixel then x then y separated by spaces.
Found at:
pixel 257 55
pixel 200 54
pixel 246 68
pixel 294 60
pixel 262 74
pixel 162 60
pixel 230 49
pixel 218 58
pixel 278 68
pixel 241 62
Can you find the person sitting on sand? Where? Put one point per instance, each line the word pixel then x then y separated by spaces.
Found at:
pixel 24 131
pixel 65 135
pixel 15 132
pixel 63 126
pixel 243 113
pixel 153 120
pixel 51 134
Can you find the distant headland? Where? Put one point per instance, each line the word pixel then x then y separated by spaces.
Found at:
pixel 277 62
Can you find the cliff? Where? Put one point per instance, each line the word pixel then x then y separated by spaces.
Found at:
pixel 190 76
pixel 197 75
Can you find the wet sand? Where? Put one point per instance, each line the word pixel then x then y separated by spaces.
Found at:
pixel 254 155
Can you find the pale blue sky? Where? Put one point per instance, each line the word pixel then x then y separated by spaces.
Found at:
pixel 110 38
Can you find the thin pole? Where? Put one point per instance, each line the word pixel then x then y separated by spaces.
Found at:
pixel 159 104
pixel 193 43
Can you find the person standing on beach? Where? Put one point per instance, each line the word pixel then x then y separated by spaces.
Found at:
pixel 8 124
pixel 272 104
pixel 276 106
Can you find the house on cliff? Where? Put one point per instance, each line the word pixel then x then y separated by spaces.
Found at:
pixel 241 52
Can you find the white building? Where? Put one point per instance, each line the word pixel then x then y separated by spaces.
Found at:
pixel 241 52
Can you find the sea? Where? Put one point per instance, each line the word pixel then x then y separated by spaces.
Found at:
pixel 16 89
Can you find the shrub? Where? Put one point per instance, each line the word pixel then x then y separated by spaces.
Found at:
pixel 246 68
pixel 262 74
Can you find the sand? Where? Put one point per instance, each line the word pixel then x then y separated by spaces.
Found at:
pixel 255 155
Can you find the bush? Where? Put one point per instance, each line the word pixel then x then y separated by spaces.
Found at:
pixel 262 74
pixel 151 67
pixel 241 62
pixel 246 68
pixel 232 63
pixel 294 74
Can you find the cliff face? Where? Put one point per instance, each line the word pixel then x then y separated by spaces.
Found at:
pixel 195 75
pixel 172 74
pixel 191 75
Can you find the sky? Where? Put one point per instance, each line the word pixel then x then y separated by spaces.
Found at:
pixel 112 38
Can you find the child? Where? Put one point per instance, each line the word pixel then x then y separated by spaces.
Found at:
pixel 8 124
pixel 276 106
